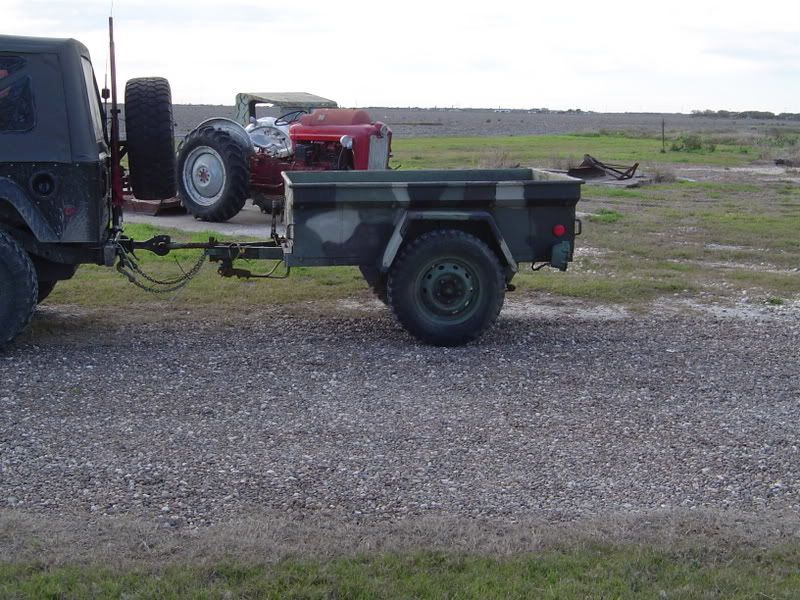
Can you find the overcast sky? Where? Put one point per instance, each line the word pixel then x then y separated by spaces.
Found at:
pixel 606 56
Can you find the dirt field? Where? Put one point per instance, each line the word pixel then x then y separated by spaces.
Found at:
pixel 407 123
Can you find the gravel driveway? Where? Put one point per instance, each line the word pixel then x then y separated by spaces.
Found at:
pixel 559 413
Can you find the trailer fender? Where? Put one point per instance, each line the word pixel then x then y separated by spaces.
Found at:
pixel 11 193
pixel 409 218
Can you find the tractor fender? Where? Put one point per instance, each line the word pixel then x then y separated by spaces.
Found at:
pixel 457 218
pixel 236 131
pixel 28 210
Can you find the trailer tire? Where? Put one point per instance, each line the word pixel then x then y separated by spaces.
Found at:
pixel 213 175
pixel 18 289
pixel 150 136
pixel 376 281
pixel 446 288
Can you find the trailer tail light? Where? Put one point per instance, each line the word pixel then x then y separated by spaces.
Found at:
pixel 559 230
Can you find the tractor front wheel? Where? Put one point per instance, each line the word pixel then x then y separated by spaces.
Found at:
pixel 213 175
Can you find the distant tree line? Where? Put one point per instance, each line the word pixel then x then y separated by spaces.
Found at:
pixel 747 114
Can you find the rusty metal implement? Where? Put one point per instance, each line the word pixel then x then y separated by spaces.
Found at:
pixel 591 168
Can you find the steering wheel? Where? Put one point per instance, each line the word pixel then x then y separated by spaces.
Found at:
pixel 290 117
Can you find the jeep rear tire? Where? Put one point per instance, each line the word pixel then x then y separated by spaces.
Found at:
pixel 213 175
pixel 18 288
pixel 150 134
pixel 446 288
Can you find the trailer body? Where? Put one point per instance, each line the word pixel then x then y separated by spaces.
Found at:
pixel 355 218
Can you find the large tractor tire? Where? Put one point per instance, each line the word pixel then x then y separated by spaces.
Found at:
pixel 150 134
pixel 18 288
pixel 213 175
pixel 446 288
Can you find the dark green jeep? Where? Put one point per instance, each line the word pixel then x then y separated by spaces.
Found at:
pixel 56 207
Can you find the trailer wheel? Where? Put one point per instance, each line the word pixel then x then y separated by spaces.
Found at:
pixel 446 288
pixel 376 281
pixel 18 288
pixel 150 135
pixel 214 178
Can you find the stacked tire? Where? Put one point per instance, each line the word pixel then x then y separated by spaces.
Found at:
pixel 150 137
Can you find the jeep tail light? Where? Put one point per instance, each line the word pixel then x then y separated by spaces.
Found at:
pixel 559 230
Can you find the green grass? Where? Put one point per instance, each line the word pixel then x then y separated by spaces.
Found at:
pixel 605 215
pixel 543 150
pixel 592 572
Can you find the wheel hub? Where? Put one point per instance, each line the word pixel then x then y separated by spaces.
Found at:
pixel 448 288
pixel 204 175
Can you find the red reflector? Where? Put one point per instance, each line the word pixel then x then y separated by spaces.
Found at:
pixel 559 230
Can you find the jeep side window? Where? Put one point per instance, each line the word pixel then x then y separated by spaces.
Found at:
pixel 94 100
pixel 16 100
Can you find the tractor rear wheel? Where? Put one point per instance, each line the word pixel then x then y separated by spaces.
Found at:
pixel 213 175
pixel 446 288
pixel 150 134
pixel 18 288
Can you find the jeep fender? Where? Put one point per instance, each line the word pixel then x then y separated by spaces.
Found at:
pixel 28 211
pixel 457 218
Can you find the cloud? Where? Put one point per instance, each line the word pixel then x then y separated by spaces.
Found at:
pixel 624 56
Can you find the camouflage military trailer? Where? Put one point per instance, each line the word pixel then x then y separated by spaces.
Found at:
pixel 440 247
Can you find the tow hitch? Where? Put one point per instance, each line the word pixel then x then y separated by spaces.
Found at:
pixel 216 251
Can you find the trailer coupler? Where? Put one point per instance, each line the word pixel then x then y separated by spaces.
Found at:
pixel 214 249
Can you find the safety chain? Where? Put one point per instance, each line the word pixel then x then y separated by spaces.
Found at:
pixel 128 267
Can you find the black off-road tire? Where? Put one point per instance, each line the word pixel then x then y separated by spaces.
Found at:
pixel 18 289
pixel 209 146
pixel 376 281
pixel 446 288
pixel 150 134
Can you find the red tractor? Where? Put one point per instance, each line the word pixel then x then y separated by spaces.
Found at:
pixel 223 162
